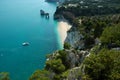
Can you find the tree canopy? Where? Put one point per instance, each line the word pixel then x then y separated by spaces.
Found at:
pixel 103 66
pixel 4 76
pixel 40 75
pixel 111 35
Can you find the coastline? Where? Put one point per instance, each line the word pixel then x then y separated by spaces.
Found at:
pixel 63 27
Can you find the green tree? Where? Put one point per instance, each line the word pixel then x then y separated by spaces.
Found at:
pixel 40 75
pixel 57 77
pixel 111 35
pixel 62 55
pixel 99 28
pixel 55 65
pixel 4 76
pixel 103 66
pixel 67 45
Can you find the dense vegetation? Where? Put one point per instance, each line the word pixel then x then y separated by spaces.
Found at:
pixel 103 66
pixel 89 7
pixel 40 75
pixel 92 27
pixel 111 35
pixel 4 76
pixel 90 16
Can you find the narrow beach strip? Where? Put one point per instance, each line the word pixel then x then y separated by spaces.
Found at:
pixel 63 27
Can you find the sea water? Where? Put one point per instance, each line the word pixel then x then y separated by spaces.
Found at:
pixel 20 22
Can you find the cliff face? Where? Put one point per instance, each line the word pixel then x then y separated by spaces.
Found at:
pixel 75 39
pixel 73 59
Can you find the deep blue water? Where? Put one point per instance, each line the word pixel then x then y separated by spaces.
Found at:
pixel 20 21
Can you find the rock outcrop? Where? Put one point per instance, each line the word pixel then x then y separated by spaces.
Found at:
pixel 74 57
pixel 75 39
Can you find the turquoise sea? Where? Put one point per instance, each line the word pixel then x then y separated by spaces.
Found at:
pixel 20 21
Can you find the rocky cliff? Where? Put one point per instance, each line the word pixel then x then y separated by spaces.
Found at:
pixel 75 39
pixel 73 59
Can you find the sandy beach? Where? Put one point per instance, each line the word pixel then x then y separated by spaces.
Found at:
pixel 63 27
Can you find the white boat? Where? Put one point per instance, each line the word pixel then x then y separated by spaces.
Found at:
pixel 25 44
